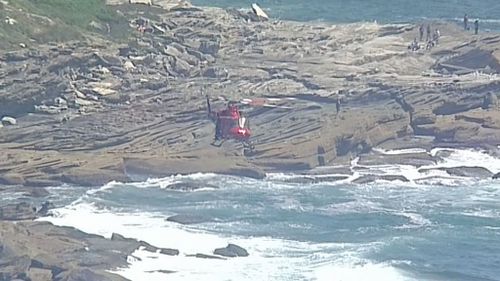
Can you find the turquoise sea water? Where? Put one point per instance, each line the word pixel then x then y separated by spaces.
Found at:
pixel 434 227
pixel 383 11
pixel 327 231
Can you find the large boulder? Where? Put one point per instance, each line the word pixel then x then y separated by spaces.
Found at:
pixel 231 250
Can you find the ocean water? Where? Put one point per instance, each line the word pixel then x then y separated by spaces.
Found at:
pixel 382 11
pixel 435 227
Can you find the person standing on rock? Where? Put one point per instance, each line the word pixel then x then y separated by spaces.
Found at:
pixel 437 34
pixel 337 105
pixel 476 27
pixel 428 37
pixel 466 22
pixel 421 32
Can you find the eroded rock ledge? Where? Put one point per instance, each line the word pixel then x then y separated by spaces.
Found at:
pixel 94 111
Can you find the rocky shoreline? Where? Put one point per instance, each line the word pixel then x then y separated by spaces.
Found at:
pixel 88 112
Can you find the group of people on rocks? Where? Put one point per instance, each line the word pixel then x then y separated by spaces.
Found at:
pixel 467 27
pixel 432 38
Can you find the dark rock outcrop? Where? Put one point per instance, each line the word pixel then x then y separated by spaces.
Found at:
pixel 189 186
pixel 205 256
pixel 187 219
pixel 169 252
pixel 148 247
pixel 372 178
pixel 496 176
pixel 231 250
pixel 469 172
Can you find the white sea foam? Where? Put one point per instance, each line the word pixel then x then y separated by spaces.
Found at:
pixel 429 174
pixel 270 258
pixel 468 158
pixel 415 220
pixel 400 151
pixel 104 188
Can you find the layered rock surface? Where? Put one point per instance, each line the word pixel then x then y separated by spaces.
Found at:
pixel 86 111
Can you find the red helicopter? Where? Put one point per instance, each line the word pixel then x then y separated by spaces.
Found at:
pixel 230 124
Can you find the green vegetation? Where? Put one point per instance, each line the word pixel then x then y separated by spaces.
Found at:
pixel 58 20
pixel 75 13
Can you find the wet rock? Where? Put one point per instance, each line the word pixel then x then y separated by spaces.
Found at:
pixel 35 182
pixel 312 180
pixel 36 192
pixel 413 159
pixel 164 271
pixel 204 256
pixel 170 252
pixel 301 180
pixel 147 247
pixel 189 186
pixel 231 250
pixel 18 211
pixel 187 219
pixel 469 172
pixel 119 237
pixel 250 172
pixel 372 178
pixel 45 208
pixel 496 176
